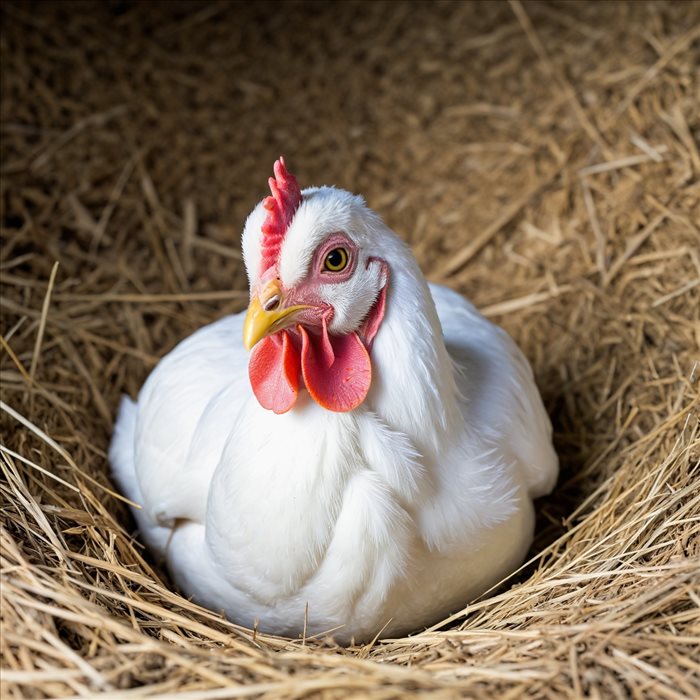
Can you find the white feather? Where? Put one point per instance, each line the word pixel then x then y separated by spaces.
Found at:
pixel 399 512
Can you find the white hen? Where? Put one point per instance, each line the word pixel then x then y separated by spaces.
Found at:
pixel 373 458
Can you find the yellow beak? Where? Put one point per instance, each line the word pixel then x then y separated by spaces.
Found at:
pixel 267 314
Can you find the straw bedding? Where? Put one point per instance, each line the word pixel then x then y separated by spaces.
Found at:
pixel 542 158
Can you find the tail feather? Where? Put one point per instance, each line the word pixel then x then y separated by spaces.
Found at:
pixel 121 457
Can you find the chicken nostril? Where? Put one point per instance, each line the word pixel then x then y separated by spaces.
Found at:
pixel 272 303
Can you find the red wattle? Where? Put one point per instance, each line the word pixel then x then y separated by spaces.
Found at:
pixel 337 370
pixel 273 369
pixel 371 324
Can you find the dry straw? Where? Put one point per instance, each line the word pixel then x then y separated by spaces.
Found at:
pixel 542 158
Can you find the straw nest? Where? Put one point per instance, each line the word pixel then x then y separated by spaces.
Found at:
pixel 541 158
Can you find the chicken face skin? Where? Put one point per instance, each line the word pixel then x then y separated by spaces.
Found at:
pixel 343 300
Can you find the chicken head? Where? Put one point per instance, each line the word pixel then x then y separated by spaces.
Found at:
pixel 318 288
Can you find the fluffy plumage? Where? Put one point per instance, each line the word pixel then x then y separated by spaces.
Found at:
pixel 387 516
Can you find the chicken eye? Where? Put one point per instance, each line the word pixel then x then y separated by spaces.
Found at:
pixel 336 260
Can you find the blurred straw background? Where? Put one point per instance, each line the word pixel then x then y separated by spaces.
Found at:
pixel 541 157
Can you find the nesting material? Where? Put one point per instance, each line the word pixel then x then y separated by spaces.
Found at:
pixel 542 158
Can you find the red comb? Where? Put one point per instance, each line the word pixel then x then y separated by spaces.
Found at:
pixel 281 207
